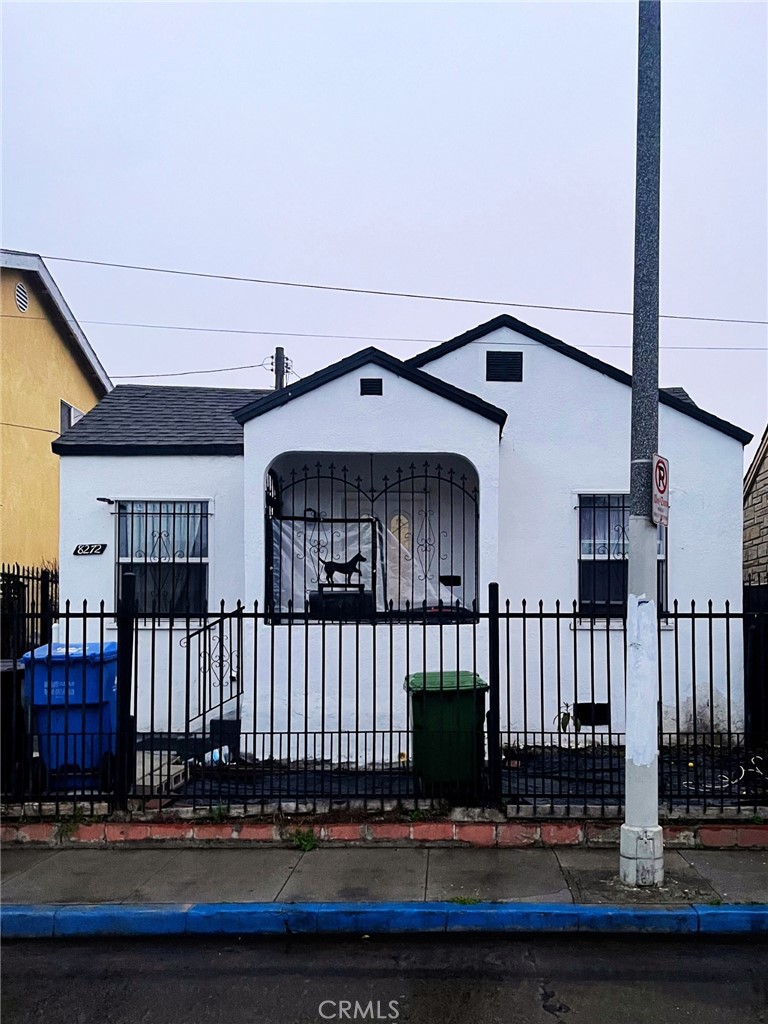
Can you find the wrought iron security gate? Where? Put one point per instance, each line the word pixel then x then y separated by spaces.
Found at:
pixel 403 538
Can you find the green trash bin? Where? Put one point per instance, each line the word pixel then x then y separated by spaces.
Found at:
pixel 448 722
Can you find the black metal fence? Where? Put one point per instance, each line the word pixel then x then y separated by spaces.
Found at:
pixel 28 597
pixel 756 592
pixel 520 706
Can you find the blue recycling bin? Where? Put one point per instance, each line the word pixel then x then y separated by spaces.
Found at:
pixel 71 692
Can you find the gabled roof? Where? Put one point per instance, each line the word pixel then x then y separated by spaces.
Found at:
pixel 761 456
pixel 670 397
pixel 367 357
pixel 140 419
pixel 31 263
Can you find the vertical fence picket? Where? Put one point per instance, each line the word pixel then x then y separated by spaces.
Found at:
pixel 126 619
pixel 494 695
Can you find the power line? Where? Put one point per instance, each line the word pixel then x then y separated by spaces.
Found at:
pixel 289 370
pixel 366 337
pixel 26 426
pixel 351 337
pixel 230 330
pixel 190 373
pixel 257 366
pixel 388 294
pixel 269 334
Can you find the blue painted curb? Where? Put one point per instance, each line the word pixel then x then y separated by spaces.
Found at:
pixel 76 922
pixel 511 917
pixel 653 920
pixel 27 921
pixel 733 920
pixel 88 921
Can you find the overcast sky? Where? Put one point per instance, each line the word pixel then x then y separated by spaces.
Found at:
pixel 479 150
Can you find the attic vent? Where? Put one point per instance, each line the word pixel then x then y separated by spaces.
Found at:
pixel 504 366
pixel 22 299
pixel 371 386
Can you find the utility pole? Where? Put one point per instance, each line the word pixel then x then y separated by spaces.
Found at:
pixel 642 843
pixel 279 368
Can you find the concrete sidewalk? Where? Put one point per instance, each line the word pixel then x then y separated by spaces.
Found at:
pixel 350 874
pixel 274 888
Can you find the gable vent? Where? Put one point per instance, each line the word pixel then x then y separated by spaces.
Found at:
pixel 504 366
pixel 22 299
pixel 371 386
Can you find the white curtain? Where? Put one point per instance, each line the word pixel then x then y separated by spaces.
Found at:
pixel 162 531
pixel 408 581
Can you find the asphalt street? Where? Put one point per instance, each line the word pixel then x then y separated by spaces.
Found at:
pixel 480 980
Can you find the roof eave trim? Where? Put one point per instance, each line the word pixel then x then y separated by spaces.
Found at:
pixel 708 418
pixel 505 320
pixel 32 263
pixel 364 358
pixel 69 449
pixel 757 461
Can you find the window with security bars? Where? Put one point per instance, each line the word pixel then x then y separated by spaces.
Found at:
pixel 165 545
pixel 603 556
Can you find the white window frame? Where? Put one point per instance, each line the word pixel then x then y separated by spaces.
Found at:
pixel 69 415
pixel 206 560
pixel 662 548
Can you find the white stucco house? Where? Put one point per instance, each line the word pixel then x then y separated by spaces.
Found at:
pixel 501 455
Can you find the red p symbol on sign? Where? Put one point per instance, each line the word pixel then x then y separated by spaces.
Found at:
pixel 660 499
pixel 661 477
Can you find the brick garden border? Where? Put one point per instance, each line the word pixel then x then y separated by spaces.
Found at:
pixel 243 833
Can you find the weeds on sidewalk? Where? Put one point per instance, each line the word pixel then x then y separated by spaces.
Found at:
pixel 67 827
pixel 303 839
pixel 436 811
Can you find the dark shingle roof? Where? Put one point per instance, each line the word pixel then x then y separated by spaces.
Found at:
pixel 161 420
pixel 168 420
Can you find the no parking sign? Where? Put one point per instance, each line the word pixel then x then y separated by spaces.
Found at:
pixel 660 500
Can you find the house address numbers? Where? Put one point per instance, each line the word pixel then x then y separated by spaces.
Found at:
pixel 90 549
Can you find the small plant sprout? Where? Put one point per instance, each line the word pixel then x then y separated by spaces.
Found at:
pixel 303 839
pixel 566 717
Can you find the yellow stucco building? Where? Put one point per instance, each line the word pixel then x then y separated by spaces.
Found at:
pixel 49 376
